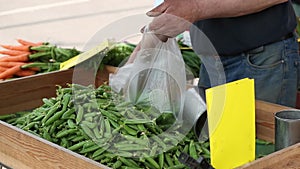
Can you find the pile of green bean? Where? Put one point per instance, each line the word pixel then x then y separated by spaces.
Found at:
pixel 99 124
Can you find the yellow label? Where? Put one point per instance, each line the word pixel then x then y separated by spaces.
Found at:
pixel 85 55
pixel 231 123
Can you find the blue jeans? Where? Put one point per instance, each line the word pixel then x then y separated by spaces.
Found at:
pixel 275 69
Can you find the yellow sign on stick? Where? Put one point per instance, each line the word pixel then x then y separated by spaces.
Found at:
pixel 231 123
pixel 103 47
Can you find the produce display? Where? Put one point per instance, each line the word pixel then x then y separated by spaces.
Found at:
pixel 99 124
pixel 30 58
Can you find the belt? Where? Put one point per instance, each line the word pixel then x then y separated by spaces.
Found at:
pixel 261 48
pixel 287 36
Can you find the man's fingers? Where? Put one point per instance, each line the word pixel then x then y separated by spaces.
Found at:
pixel 158 10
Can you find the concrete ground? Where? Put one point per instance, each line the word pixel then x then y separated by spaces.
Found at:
pixel 64 22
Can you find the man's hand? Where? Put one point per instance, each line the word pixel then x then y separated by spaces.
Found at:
pixel 173 17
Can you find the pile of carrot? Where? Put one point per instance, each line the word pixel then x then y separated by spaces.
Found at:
pixel 15 56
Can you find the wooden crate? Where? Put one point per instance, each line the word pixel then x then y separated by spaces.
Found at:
pixel 288 158
pixel 21 150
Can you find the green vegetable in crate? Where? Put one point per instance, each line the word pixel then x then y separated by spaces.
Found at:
pixel 117 135
pixel 118 54
pixel 52 53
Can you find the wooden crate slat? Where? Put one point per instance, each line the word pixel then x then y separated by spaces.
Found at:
pixel 27 150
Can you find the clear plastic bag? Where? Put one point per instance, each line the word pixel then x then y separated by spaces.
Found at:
pixel 157 75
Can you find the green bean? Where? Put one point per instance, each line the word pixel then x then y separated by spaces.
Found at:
pixel 169 160
pixel 90 149
pixel 102 156
pixel 125 154
pixel 100 151
pixel 137 121
pixel 54 126
pixel 64 142
pixel 68 113
pixel 161 160
pixel 101 125
pixel 186 149
pixel 141 127
pixel 148 165
pixel 139 141
pixel 128 162
pixel 77 146
pixel 87 131
pixel 93 114
pixel 159 141
pixel 39 117
pixel 97 133
pixel 71 137
pixel 63 133
pixel 12 121
pixel 109 115
pixel 47 102
pixel 131 147
pixel 179 166
pixel 114 124
pixel 51 112
pixel 107 128
pixel 130 130
pixel 47 136
pixel 192 150
pixel 206 151
pixel 89 124
pixel 152 162
pixel 117 164
pixel 71 124
pixel 78 138
pixel 79 114
pixel 105 160
pixel 153 150
pixel 7 116
pixel 29 125
pixel 55 117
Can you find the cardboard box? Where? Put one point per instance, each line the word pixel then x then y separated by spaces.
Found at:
pixel 22 150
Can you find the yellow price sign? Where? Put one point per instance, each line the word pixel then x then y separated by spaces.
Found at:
pixel 104 46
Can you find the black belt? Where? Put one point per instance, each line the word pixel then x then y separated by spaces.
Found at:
pixel 287 36
pixel 261 48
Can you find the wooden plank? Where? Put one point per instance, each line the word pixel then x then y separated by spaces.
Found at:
pixel 26 93
pixel 265 120
pixel 285 158
pixel 20 149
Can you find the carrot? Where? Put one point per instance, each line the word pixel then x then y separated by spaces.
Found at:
pixel 23 73
pixel 19 58
pixel 28 43
pixel 2 69
pixel 10 72
pixel 11 64
pixel 13 52
pixel 25 48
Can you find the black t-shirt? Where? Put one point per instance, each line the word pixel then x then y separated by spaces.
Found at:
pixel 230 36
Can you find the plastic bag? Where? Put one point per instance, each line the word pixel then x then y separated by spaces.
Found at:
pixel 157 75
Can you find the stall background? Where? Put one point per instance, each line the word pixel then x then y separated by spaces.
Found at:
pixel 69 23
